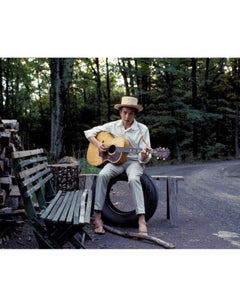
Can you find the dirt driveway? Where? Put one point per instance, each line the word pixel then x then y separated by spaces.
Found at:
pixel 208 212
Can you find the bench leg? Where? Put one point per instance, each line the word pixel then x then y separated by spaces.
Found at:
pixel 66 233
pixel 76 243
pixel 172 201
pixel 42 237
pixel 53 236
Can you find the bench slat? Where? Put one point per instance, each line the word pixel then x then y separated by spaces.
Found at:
pixel 77 198
pixel 71 202
pixel 83 207
pixel 38 185
pixel 31 161
pixel 159 177
pixel 52 203
pixel 30 171
pixel 36 177
pixel 57 211
pixel 88 207
pixel 26 153
pixel 77 209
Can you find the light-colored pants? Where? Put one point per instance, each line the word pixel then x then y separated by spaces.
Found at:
pixel 134 170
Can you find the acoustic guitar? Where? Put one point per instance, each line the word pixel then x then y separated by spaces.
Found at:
pixel 117 151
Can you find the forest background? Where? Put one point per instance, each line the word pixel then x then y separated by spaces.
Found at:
pixel 191 105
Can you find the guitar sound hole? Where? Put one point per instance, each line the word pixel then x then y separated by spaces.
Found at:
pixel 112 149
pixel 120 196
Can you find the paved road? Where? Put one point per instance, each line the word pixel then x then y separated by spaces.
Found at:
pixel 208 210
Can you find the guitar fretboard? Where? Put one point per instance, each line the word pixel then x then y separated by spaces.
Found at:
pixel 159 152
pixel 128 149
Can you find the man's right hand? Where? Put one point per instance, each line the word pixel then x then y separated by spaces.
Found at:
pixel 102 147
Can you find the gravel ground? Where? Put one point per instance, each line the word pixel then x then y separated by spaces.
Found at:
pixel 208 213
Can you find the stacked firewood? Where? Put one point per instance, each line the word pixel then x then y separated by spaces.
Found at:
pixel 9 142
pixel 11 212
pixel 66 174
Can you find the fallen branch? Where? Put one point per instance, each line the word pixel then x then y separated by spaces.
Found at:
pixel 135 235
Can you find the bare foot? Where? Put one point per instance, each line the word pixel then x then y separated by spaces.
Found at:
pixel 142 225
pixel 98 223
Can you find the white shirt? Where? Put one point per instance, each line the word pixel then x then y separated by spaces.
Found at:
pixel 137 135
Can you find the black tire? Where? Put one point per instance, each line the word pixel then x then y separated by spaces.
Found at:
pixel 114 216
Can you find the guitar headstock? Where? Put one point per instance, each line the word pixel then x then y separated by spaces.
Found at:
pixel 161 153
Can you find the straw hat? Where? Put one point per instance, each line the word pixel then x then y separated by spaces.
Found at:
pixel 129 102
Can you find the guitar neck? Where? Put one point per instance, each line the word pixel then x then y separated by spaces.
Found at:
pixel 128 149
pixel 160 153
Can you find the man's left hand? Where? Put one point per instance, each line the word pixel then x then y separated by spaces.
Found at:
pixel 144 154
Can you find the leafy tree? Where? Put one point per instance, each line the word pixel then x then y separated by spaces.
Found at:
pixel 191 105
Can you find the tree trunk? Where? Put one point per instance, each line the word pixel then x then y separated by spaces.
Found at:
pixel 236 72
pixel 108 91
pixel 124 75
pixel 99 92
pixel 1 88
pixel 131 77
pixel 204 129
pixel 61 75
pixel 205 89
pixel 7 88
pixel 194 103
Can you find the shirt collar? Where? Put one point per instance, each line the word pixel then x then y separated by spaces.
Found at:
pixel 133 127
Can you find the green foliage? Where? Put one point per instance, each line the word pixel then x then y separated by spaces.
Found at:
pixel 189 113
pixel 87 168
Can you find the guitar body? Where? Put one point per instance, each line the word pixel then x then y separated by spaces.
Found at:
pixel 99 159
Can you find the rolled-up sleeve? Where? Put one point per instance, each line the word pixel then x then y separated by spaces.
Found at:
pixel 146 141
pixel 94 131
pixel 108 127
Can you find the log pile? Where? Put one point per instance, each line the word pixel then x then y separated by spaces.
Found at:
pixel 9 142
pixel 66 174
pixel 10 201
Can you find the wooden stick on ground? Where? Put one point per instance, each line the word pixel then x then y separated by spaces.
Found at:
pixel 136 235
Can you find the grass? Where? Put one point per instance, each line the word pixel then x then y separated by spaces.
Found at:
pixel 86 168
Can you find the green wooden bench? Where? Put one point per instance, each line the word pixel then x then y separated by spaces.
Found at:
pixel 57 218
